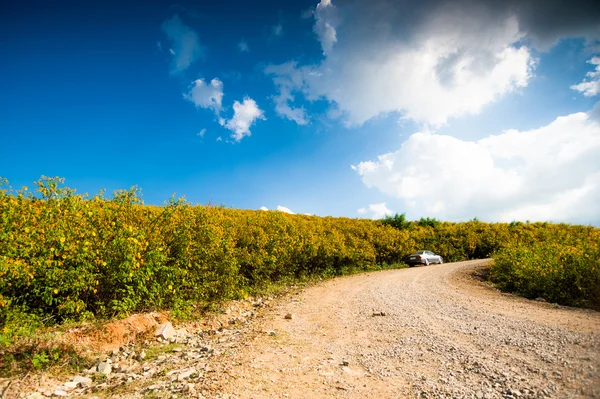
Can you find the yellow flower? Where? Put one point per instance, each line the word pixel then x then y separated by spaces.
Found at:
pixel 62 240
pixel 170 287
pixel 93 234
pixel 55 291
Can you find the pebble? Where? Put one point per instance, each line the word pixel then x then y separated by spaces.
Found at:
pixel 165 331
pixel 104 368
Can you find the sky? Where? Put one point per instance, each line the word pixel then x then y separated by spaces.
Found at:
pixel 436 108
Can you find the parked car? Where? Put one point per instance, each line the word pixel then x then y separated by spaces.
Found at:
pixel 422 258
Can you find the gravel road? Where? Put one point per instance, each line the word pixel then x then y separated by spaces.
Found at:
pixel 430 332
pixel 424 332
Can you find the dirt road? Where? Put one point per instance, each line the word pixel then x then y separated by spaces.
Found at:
pixel 422 332
pixel 425 332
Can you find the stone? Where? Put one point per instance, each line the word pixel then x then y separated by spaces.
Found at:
pixel 104 368
pixel 82 381
pixel 378 314
pixel 289 316
pixel 141 356
pixel 59 392
pixel 165 331
pixel 186 374
pixel 70 385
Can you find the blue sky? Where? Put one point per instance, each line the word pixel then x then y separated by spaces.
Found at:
pixel 450 109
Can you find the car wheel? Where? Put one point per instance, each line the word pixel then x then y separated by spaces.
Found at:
pixel 441 260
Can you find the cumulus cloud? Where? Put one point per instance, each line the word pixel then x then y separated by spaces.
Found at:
pixel 549 173
pixel 202 132
pixel 206 95
pixel 186 47
pixel 263 208
pixel 284 209
pixel 591 85
pixel 452 63
pixel 245 115
pixel 243 47
pixel 428 61
pixel 375 211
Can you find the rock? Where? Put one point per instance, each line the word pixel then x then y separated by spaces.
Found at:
pixel 104 368
pixel 186 374
pixel 189 389
pixel 70 385
pixel 378 314
pixel 205 348
pixel 165 331
pixel 59 392
pixel 82 381
pixel 271 333
pixel 345 363
pixel 289 316
pixel 141 356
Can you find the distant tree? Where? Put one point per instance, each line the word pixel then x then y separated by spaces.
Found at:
pixel 398 221
pixel 428 222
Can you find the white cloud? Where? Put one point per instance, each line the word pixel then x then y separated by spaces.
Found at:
pixel 244 115
pixel 277 30
pixel 549 173
pixel 591 85
pixel 202 132
pixel 243 47
pixel 279 208
pixel 325 23
pixel 186 44
pixel 450 63
pixel 287 78
pixel 219 138
pixel 206 96
pixel 375 211
pixel 284 209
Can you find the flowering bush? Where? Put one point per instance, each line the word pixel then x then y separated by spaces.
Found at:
pixel 65 256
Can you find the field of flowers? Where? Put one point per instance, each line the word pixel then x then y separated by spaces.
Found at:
pixel 65 256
